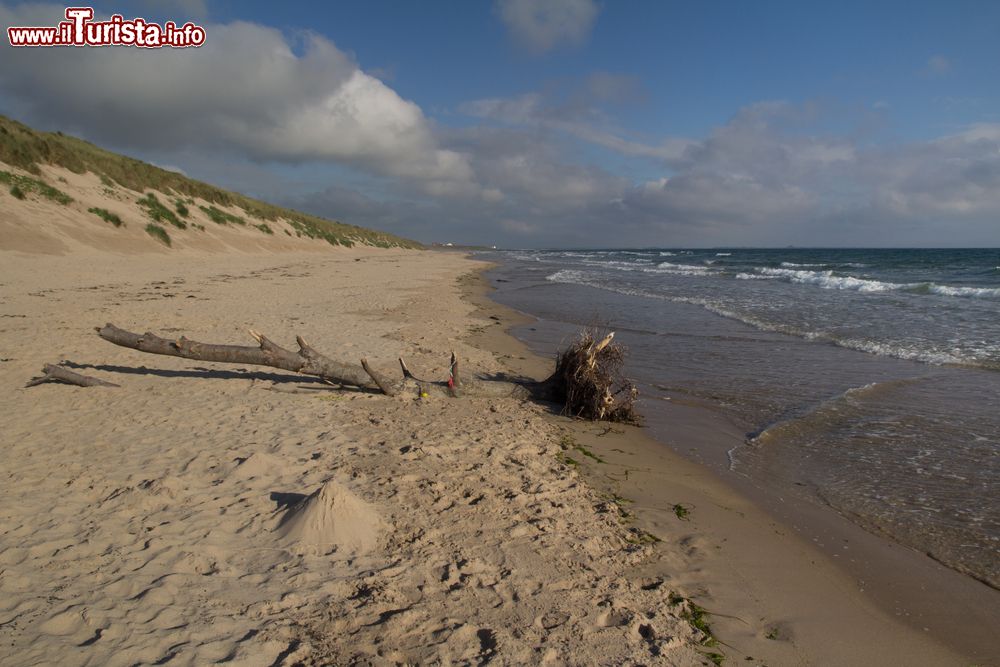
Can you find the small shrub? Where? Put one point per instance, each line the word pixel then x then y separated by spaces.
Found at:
pixel 264 228
pixel 158 212
pixel 17 192
pixel 158 232
pixel 106 215
pixel 182 210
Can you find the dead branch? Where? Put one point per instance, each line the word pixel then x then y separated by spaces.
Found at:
pixel 587 379
pixel 54 373
pixel 308 362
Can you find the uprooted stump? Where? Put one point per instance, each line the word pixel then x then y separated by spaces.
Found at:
pixel 587 381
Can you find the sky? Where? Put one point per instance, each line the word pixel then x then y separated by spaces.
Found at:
pixel 559 123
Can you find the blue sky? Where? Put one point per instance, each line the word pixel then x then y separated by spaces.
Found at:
pixel 549 122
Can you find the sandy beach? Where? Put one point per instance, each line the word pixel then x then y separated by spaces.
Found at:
pixel 206 512
pixel 516 332
pixel 140 524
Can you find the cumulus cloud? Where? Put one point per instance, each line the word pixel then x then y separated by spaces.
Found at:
pixel 542 25
pixel 579 112
pixel 249 89
pixel 769 175
pixel 772 174
pixel 751 181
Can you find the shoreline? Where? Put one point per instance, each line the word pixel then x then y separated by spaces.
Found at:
pixel 142 522
pixel 739 554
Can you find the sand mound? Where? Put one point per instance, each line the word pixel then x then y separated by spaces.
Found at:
pixel 258 464
pixel 332 519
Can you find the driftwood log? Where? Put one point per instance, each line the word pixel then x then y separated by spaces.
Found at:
pixel 54 373
pixel 587 380
pixel 310 362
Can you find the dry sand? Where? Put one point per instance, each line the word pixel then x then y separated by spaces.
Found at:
pixel 142 525
pixel 210 513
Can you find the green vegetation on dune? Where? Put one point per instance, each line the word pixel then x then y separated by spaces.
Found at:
pixel 21 185
pixel 107 216
pixel 23 147
pixel 158 232
pixel 158 212
pixel 221 217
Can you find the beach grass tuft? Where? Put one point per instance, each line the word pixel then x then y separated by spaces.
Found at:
pixel 220 217
pixel 158 232
pixel 158 212
pixel 26 184
pixel 106 215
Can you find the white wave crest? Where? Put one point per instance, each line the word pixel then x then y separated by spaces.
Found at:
pixel 827 280
pixel 755 276
pixel 974 292
pixel 679 269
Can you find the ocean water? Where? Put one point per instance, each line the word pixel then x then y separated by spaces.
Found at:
pixel 868 380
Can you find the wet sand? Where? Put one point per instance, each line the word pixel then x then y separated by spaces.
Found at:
pixel 791 584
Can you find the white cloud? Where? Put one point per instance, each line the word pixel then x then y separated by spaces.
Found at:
pixel 576 119
pixel 541 25
pixel 247 90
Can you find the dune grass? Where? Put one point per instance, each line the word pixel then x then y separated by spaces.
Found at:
pixel 221 217
pixel 25 184
pixel 158 232
pixel 26 148
pixel 107 216
pixel 158 212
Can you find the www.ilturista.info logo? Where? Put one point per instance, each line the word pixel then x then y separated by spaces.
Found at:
pixel 79 29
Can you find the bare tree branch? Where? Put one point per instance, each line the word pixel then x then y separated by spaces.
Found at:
pixel 53 373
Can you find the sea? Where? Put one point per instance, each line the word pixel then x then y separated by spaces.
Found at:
pixel 867 380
